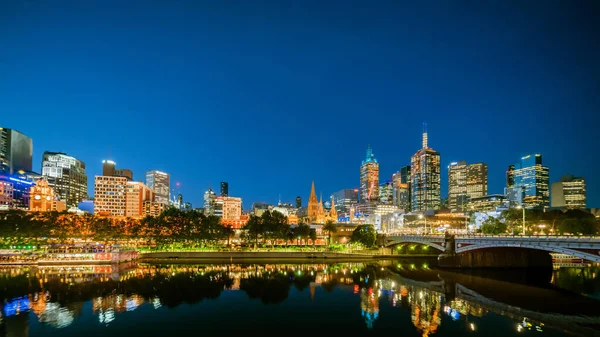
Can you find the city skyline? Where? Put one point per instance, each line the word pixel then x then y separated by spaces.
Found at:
pixel 485 96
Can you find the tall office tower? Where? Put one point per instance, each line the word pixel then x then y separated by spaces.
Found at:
pixel 477 180
pixel 110 195
pixel 224 189
pixel 344 199
pixel 569 192
pixel 386 192
pixel 532 178
pixel 108 168
pixel 298 202
pixel 369 178
pixel 127 173
pixel 209 202
pixel 229 208
pixel 457 185
pixel 137 195
pixel 160 183
pixel 16 151
pixel 66 175
pixel 425 178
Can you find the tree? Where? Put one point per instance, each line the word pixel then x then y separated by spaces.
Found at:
pixel 330 227
pixel 254 228
pixel 493 226
pixel 302 231
pixel 365 235
pixel 313 235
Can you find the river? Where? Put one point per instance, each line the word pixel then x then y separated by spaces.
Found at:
pixel 385 298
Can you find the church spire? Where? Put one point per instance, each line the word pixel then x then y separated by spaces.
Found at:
pixel 333 212
pixel 313 194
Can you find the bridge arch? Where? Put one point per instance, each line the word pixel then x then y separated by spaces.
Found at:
pixel 587 254
pixel 437 243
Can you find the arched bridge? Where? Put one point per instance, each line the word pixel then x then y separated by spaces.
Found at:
pixel 587 248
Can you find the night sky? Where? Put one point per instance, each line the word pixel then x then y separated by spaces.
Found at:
pixel 270 95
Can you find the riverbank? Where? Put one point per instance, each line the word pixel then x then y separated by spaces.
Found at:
pixel 245 255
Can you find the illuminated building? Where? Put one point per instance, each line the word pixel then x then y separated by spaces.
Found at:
pixel 235 223
pixel 313 204
pixel 369 306
pixel 369 178
pixel 333 215
pixel 160 183
pixel 487 203
pixel 533 178
pixel 386 192
pixel 41 197
pixel 6 194
pixel 477 180
pixel 229 208
pixel 127 173
pixel 344 199
pixel 457 185
pixel 16 151
pixel 209 202
pixel 425 178
pixel 136 195
pixel 110 196
pixel 298 202
pixel 258 208
pixel 15 191
pixel 66 175
pixel 224 189
pixel 153 208
pixel 401 181
pixel 569 192
pixel 108 168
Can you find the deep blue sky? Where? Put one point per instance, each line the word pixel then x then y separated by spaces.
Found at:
pixel 270 95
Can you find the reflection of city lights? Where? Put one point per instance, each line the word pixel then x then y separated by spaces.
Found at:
pixel 519 328
pixel 472 326
pixel 420 294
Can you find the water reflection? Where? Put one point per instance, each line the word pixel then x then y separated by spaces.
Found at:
pixel 55 296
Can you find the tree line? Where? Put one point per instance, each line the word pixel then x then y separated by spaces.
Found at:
pixel 576 222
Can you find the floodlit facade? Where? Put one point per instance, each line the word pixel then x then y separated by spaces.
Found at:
pixel 533 178
pixel 161 184
pixel 369 178
pixel 41 197
pixel 110 196
pixel 16 151
pixel 136 195
pixel 569 193
pixel 229 208
pixel 425 178
pixel 66 175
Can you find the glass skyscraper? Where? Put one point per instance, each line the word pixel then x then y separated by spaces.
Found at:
pixel 425 178
pixel 369 178
pixel 532 179
pixel 66 175
pixel 16 151
pixel 160 183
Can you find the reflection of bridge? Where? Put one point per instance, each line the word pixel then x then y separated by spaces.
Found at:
pixel 583 247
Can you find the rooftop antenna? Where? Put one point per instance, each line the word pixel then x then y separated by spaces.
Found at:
pixel 279 203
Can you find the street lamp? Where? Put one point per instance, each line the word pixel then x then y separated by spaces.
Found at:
pixel 523 208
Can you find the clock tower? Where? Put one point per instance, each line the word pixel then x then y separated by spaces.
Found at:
pixel 41 197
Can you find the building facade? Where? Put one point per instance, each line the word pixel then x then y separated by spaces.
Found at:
pixel 41 197
pixel 66 175
pixel 209 202
pixel 344 199
pixel 110 196
pixel 228 208
pixel 224 189
pixel 532 178
pixel 127 173
pixel 569 192
pixel 109 168
pixel 487 203
pixel 457 185
pixel 369 178
pixel 161 184
pixel 138 197
pixel 386 193
pixel 298 202
pixel 16 151
pixel 477 180
pixel 425 178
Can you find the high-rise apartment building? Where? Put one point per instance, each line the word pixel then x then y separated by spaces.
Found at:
pixel 160 183
pixel 110 196
pixel 369 178
pixel 136 196
pixel 16 151
pixel 425 178
pixel 569 192
pixel 224 189
pixel 66 175
pixel 344 199
pixel 457 185
pixel 477 180
pixel 532 178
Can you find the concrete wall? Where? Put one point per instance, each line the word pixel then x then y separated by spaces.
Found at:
pixel 497 258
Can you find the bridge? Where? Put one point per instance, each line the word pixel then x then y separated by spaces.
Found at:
pixel 585 247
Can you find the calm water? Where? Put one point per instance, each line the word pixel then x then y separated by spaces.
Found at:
pixel 385 298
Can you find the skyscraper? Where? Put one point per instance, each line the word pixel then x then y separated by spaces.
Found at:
pixel 109 168
pixel 224 189
pixel 110 195
pixel 386 192
pixel 209 202
pixel 477 180
pixel 127 173
pixel 161 184
pixel 425 178
pixel 298 202
pixel 66 175
pixel 569 192
pixel 16 151
pixel 457 185
pixel 369 178
pixel 532 178
pixel 344 199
